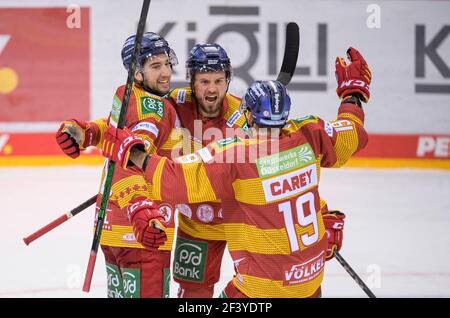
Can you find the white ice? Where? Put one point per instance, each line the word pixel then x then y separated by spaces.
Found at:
pixel 397 235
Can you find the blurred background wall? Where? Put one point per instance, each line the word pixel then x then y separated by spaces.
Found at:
pixel 61 59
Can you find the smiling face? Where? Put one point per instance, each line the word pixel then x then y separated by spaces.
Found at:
pixel 157 74
pixel 210 89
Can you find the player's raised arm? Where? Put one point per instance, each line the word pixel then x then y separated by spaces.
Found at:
pixel 193 178
pixel 336 141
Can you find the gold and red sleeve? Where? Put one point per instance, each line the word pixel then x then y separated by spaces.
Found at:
pixel 190 182
pixel 99 132
pixel 350 135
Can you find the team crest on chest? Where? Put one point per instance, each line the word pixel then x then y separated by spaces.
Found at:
pixel 166 210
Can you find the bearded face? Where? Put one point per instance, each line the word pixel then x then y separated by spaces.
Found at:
pixel 210 89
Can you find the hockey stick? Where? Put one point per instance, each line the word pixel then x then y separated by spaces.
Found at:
pixel 285 75
pixel 287 70
pixel 291 50
pixel 63 218
pixel 111 166
pixel 352 273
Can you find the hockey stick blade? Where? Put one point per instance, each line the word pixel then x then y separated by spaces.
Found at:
pixel 291 50
pixel 63 218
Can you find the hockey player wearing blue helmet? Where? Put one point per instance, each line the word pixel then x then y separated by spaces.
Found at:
pixel 206 103
pixel 134 266
pixel 154 62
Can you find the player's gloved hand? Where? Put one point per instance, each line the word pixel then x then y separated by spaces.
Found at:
pixel 75 135
pixel 334 227
pixel 353 78
pixel 118 143
pixel 148 223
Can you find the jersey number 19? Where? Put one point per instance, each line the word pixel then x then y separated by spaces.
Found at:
pixel 285 208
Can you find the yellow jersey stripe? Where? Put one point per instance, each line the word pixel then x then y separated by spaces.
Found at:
pixel 244 237
pixel 256 287
pixel 214 232
pixel 102 125
pixel 124 190
pixel 195 175
pixel 122 236
pixel 156 182
pixel 351 117
pixel 346 144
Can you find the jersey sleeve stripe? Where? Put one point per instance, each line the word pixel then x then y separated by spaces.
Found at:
pixel 194 175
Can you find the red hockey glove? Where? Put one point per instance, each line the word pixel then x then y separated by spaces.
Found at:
pixel 148 222
pixel 354 77
pixel 334 227
pixel 118 143
pixel 75 135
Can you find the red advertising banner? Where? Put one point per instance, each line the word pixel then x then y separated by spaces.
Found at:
pixel 407 147
pixel 424 151
pixel 44 64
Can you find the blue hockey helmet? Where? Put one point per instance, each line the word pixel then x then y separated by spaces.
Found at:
pixel 207 58
pixel 151 44
pixel 268 102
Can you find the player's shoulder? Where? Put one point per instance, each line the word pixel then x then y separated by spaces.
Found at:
pixel 181 96
pixel 296 124
pixel 233 115
pixel 309 125
pixel 222 145
pixel 300 121
pixel 233 101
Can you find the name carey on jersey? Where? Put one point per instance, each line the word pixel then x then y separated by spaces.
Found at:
pixel 286 185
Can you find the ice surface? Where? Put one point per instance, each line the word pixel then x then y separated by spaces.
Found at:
pixel 397 234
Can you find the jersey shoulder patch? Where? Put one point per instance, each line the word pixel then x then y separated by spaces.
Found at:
pixel 227 143
pixel 223 144
pixel 181 95
pixel 233 116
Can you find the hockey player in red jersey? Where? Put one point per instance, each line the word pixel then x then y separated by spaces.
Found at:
pixel 207 112
pixel 135 266
pixel 275 228
pixel 205 105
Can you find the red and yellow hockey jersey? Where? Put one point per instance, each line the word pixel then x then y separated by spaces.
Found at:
pixel 171 127
pixel 269 191
pixel 151 118
pixel 197 132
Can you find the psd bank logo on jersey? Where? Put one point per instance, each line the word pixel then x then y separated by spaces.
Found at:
pixel 189 260
pixel 305 272
pixel 152 105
